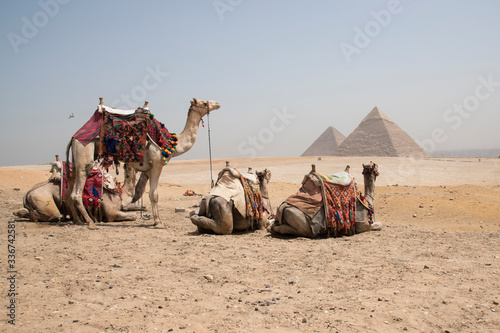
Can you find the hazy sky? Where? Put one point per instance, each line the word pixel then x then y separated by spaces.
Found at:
pixel 282 70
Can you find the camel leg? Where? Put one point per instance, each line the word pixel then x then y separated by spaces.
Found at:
pixel 293 223
pixel 134 208
pixel 365 226
pixel 122 216
pixel 222 222
pixel 83 160
pixel 78 206
pixel 153 195
pixel 71 204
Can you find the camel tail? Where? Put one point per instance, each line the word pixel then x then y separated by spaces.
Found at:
pixel 66 165
pixel 140 187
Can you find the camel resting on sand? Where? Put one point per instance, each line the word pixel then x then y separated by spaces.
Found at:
pixel 225 210
pixel 290 220
pixel 44 203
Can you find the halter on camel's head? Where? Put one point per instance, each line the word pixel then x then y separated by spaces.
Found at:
pixel 370 169
pixel 266 174
pixel 203 107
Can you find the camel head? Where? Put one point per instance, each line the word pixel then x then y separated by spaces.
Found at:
pixel 370 170
pixel 264 175
pixel 56 170
pixel 203 107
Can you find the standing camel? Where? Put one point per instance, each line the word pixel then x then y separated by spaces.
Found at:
pixel 83 159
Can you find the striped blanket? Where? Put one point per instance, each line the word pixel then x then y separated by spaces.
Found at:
pixel 90 130
pixel 253 199
pixel 336 194
pixel 340 207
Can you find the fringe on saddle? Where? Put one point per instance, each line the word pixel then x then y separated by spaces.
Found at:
pixel 248 202
pixel 123 137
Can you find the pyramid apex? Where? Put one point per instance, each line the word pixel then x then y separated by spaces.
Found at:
pixel 377 113
pixel 378 135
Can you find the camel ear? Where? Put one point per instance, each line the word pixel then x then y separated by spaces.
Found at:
pixel 194 101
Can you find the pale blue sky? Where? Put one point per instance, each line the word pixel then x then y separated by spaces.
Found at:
pixel 283 70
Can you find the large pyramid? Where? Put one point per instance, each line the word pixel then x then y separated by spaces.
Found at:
pixel 326 143
pixel 378 135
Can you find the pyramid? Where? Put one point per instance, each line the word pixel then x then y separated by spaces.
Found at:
pixel 326 143
pixel 378 135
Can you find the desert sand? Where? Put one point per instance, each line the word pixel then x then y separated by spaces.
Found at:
pixel 434 267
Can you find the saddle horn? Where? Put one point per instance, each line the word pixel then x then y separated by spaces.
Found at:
pixel 145 104
pixel 100 101
pixel 227 164
pixel 313 167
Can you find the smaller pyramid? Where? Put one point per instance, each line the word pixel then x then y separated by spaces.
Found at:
pixel 378 135
pixel 326 144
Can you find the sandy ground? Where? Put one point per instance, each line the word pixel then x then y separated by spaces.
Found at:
pixel 433 268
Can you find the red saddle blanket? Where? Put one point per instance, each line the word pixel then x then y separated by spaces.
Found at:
pixel 123 137
pixel 92 192
pixel 338 200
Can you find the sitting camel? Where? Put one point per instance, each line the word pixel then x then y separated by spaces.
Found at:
pixel 226 208
pixel 44 202
pixel 154 160
pixel 290 220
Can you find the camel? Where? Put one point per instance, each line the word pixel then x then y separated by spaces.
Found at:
pixel 43 202
pixel 83 157
pixel 292 221
pixel 220 215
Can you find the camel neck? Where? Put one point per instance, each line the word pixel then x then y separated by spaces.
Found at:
pixel 129 183
pixel 369 189
pixel 265 194
pixel 187 138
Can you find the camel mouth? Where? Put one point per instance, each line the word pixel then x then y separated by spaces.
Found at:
pixel 213 105
pixel 210 105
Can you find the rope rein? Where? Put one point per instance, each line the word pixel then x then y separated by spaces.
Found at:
pixel 210 149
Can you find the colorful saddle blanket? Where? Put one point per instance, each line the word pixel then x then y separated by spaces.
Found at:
pixel 340 206
pixel 95 183
pixel 336 194
pixel 123 134
pixel 243 190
